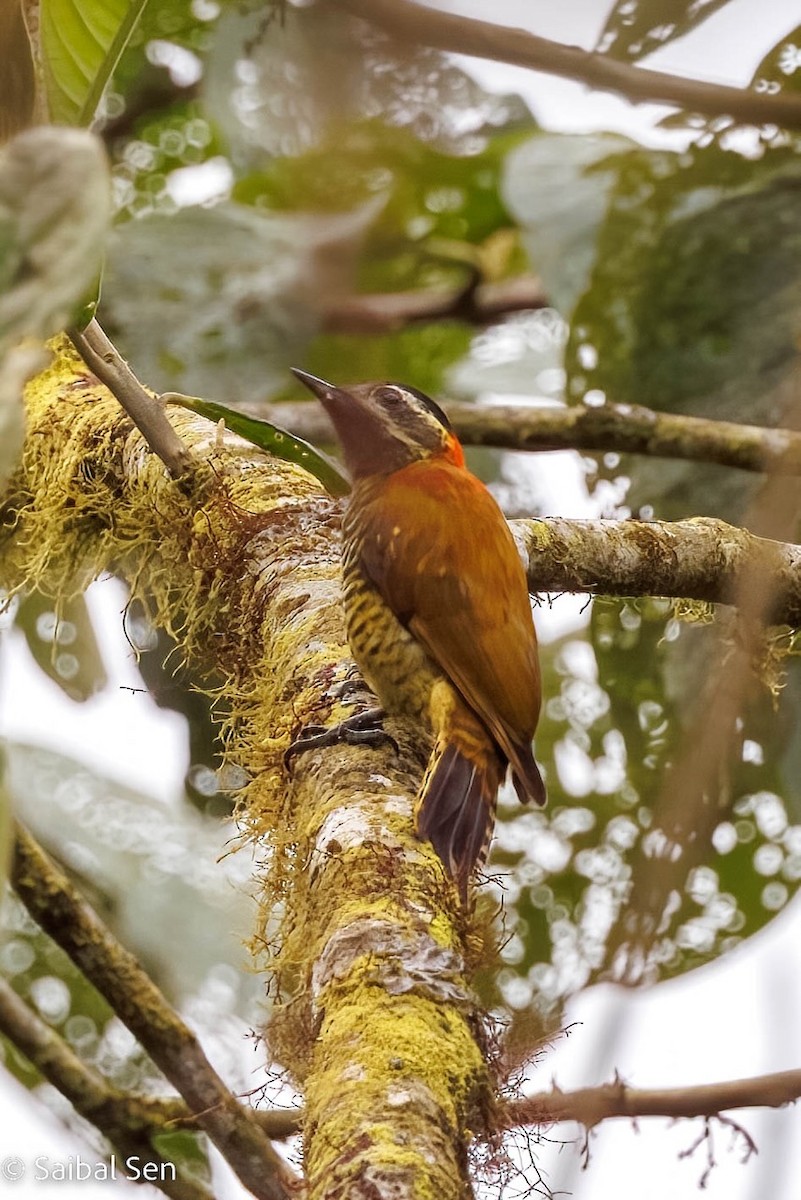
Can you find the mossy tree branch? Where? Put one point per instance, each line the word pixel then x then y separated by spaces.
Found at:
pixel 624 428
pixel 698 559
pixel 125 1122
pixel 375 1017
pixel 458 34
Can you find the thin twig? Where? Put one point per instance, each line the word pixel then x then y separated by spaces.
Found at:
pixel 382 312
pixel 105 361
pixel 503 43
pixel 118 1117
pixel 63 913
pixel 591 1105
pixel 625 428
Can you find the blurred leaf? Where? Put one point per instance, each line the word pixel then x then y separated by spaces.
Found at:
pixel 271 438
pixel 558 187
pixel 62 640
pixel 55 209
pixel 434 210
pixel 636 28
pixel 780 69
pixel 693 306
pixel 419 354
pixel 79 43
pixel 17 79
pixel 140 858
pixel 238 298
pixel 280 88
pixel 188 1151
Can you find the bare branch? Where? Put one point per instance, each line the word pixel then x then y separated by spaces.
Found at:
pixel 503 43
pixel 698 559
pixel 589 1106
pixel 121 1119
pixel 386 311
pixel 105 361
pixel 625 428
pixel 63 913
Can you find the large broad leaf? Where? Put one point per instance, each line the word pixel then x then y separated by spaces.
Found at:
pixel 694 306
pixel 635 28
pixel 55 209
pixel 78 44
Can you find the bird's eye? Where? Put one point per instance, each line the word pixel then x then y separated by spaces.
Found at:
pixel 388 395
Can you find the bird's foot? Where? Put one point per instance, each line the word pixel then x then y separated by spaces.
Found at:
pixel 362 729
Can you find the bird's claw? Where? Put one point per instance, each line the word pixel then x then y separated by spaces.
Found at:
pixel 362 729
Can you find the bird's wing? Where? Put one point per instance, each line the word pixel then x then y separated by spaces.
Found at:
pixel 438 549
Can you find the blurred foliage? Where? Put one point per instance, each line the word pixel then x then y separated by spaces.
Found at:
pixel 619 703
pixel 635 28
pixel 149 868
pixel 433 204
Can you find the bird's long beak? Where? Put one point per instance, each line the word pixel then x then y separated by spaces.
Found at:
pixel 348 411
pixel 322 390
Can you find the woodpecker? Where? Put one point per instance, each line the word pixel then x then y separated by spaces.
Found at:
pixel 437 610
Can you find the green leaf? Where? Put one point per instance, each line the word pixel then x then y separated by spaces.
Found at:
pixel 558 188
pixel 693 305
pixel 79 45
pixel 269 437
pixel 636 28
pixel 62 640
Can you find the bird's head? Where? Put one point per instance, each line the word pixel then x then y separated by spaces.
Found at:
pixel 385 426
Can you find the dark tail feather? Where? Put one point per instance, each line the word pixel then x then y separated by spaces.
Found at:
pixel 526 777
pixel 456 811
